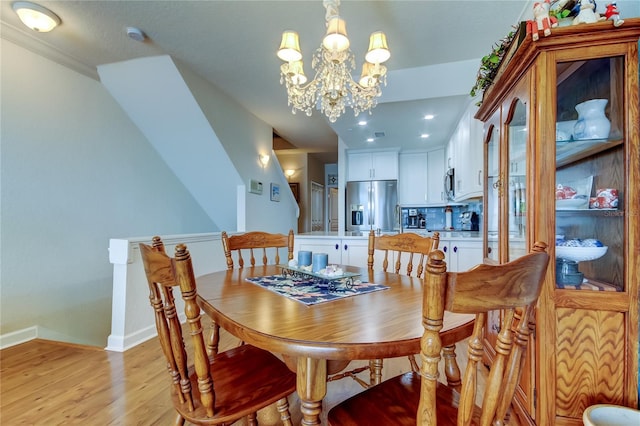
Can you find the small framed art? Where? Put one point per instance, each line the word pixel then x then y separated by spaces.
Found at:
pixel 275 192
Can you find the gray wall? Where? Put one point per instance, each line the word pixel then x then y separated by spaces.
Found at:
pixel 75 172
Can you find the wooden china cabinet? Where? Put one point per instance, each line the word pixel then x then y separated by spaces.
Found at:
pixel 583 348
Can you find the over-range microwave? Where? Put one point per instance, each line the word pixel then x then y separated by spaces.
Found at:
pixel 449 184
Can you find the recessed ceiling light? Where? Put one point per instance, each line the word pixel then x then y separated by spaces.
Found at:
pixel 362 123
pixel 370 140
pixel 424 135
pixel 429 117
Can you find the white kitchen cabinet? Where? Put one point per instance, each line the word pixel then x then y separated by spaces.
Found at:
pixel 435 177
pixel 461 255
pixel 465 149
pixel 372 165
pixel 412 181
pixel 348 251
pixel 421 178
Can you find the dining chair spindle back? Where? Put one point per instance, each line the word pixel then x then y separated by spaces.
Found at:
pixel 406 248
pixel 418 398
pixel 256 240
pixel 212 390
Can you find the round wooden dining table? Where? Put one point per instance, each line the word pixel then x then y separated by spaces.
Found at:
pixel 377 325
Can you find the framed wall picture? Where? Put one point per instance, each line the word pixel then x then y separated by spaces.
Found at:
pixel 275 192
pixel 295 189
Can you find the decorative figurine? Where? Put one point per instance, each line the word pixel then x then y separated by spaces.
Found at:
pixel 542 21
pixel 612 14
pixel 587 13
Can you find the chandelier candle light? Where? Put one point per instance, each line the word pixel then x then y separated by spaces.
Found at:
pixel 333 87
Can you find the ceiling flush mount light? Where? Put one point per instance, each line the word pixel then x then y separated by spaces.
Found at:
pixel 36 17
pixel 333 88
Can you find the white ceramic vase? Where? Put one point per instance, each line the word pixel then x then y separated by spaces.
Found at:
pixel 592 122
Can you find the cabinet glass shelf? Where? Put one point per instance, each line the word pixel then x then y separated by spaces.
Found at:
pixel 568 152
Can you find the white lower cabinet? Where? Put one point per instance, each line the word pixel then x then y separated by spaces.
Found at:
pixel 461 255
pixel 351 251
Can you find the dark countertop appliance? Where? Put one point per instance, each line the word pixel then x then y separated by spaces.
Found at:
pixel 414 217
pixel 469 221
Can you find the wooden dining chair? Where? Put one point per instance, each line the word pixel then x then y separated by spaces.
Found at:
pixel 418 398
pixel 259 241
pixel 208 390
pixel 408 253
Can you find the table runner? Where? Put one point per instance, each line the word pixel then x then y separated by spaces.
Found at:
pixel 310 291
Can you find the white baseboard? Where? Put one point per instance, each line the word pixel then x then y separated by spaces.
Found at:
pixel 122 343
pixel 17 337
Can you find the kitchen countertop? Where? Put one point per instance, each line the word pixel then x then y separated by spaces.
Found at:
pixel 444 235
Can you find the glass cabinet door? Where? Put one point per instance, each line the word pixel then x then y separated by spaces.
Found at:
pixel 492 208
pixel 590 170
pixel 516 196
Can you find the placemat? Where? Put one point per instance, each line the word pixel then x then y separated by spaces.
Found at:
pixel 311 292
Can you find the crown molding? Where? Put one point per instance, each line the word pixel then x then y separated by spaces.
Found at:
pixel 26 40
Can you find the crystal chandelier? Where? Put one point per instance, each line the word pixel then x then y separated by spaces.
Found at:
pixel 333 88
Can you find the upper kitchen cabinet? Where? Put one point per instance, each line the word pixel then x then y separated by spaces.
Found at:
pixel 562 149
pixel 420 178
pixel 465 155
pixel 372 165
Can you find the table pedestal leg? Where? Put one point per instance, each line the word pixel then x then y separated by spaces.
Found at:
pixel 312 387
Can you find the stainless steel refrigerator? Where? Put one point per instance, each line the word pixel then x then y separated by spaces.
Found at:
pixel 372 205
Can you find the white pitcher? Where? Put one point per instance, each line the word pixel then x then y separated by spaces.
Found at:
pixel 592 122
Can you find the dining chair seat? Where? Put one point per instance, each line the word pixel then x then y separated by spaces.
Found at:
pixel 397 398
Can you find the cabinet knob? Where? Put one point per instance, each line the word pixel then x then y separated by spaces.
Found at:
pixel 496 328
pixel 346 247
pixel 488 249
pixel 455 249
pixel 444 249
pixel 337 246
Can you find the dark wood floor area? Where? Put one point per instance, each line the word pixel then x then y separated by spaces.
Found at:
pixel 50 383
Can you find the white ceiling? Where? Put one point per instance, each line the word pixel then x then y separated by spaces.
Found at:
pixel 233 44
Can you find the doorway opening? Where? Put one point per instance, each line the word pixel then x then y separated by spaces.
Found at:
pixel 317 206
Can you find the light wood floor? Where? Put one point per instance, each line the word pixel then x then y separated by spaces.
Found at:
pixel 50 383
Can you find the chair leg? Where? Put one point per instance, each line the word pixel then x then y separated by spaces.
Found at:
pixel 179 420
pixel 451 369
pixel 283 408
pixel 413 363
pixel 252 419
pixel 214 339
pixel 375 374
